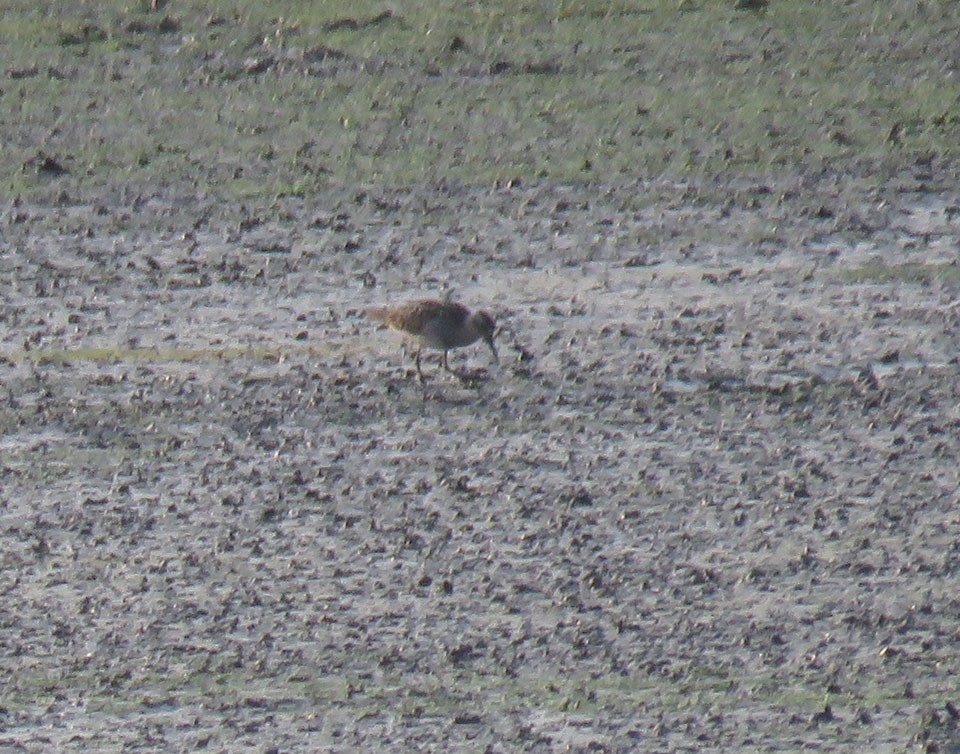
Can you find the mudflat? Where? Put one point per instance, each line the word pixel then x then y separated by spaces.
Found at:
pixel 707 501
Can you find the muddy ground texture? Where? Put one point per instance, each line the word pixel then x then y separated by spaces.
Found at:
pixel 707 502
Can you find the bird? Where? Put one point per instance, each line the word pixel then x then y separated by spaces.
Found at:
pixel 442 325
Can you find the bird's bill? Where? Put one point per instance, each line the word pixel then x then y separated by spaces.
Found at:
pixel 493 348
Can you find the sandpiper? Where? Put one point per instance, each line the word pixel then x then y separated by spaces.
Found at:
pixel 442 325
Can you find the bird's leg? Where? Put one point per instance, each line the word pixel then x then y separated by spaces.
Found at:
pixel 419 371
pixel 463 375
pixel 455 372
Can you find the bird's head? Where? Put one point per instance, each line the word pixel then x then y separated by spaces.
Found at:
pixel 485 325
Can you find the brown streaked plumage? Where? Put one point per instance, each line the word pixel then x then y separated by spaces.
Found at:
pixel 442 325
